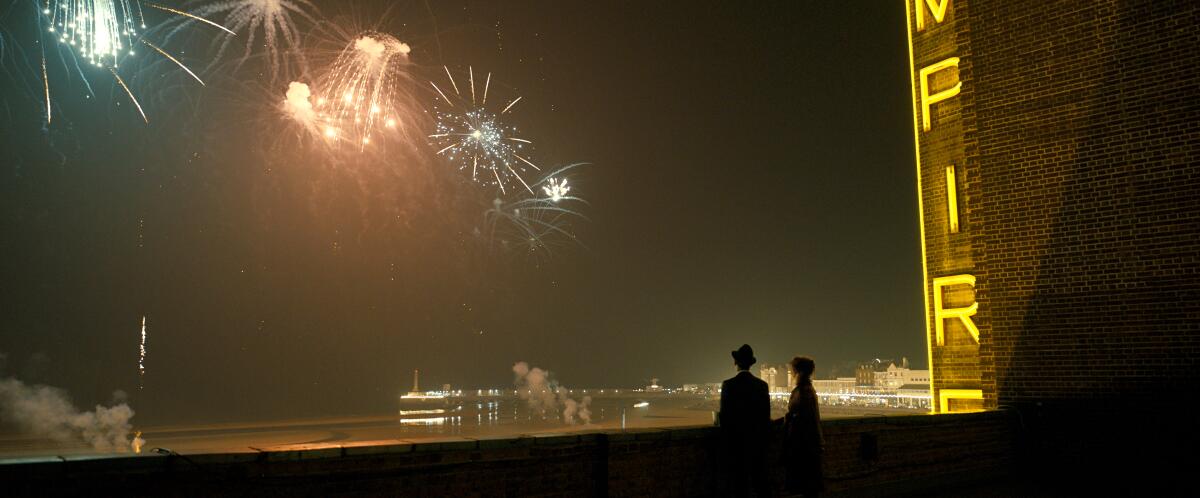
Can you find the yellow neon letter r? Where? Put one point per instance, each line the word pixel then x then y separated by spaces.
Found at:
pixel 941 314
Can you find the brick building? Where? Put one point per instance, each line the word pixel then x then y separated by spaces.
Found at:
pixel 1056 149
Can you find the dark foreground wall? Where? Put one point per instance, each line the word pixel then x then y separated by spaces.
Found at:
pixel 871 456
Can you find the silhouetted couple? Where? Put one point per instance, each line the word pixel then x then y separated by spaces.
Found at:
pixel 745 420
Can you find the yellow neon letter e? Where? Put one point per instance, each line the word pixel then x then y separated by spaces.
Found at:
pixel 928 100
pixel 941 314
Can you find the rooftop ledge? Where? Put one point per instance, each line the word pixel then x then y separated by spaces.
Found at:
pixel 582 435
pixel 876 454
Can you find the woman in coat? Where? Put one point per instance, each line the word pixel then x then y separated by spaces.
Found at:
pixel 803 443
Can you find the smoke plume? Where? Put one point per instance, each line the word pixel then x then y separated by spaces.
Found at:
pixel 46 411
pixel 375 48
pixel 546 397
pixel 297 103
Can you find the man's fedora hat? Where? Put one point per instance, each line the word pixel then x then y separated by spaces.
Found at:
pixel 744 355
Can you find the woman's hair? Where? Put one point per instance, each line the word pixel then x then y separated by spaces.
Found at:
pixel 803 365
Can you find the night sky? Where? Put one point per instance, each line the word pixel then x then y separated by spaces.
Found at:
pixel 750 179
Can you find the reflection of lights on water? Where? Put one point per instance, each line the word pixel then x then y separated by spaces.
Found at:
pixel 428 395
pixel 421 412
pixel 642 404
pixel 423 421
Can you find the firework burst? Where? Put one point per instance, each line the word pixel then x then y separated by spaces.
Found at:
pixel 100 31
pixel 365 95
pixel 474 137
pixel 536 226
pixel 103 33
pixel 556 190
pixel 270 24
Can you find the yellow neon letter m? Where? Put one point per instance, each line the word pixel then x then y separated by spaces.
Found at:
pixel 941 313
pixel 936 7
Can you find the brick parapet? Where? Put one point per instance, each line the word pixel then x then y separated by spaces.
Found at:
pixel 878 453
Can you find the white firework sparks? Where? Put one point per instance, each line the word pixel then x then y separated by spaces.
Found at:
pixel 364 94
pixel 555 191
pixel 270 24
pixel 101 31
pixel 473 137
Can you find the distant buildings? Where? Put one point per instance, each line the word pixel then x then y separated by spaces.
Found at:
pixel 839 385
pixel 878 383
pixel 710 388
pixel 886 374
pixel 779 377
pixel 914 390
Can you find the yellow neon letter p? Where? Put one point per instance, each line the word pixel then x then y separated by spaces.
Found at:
pixel 928 100
pixel 941 314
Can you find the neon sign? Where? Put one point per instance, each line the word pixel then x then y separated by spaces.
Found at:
pixel 949 282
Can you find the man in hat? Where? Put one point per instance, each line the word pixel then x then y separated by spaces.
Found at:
pixel 745 420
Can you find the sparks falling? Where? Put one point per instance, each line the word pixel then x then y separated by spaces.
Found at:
pixel 274 21
pixel 102 32
pixel 364 95
pixel 475 138
pixel 536 226
pixel 142 357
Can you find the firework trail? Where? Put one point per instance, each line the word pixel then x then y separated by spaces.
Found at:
pixel 536 226
pixel 366 93
pixel 102 33
pixel 272 20
pixel 142 356
pixel 193 17
pixel 127 91
pixel 46 85
pixel 473 137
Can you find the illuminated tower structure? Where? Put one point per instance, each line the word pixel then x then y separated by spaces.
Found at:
pixel 768 373
pixel 1058 180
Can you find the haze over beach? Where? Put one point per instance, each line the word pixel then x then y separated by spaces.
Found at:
pixel 283 274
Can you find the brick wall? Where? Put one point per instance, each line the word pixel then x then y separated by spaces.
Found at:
pixel 884 455
pixel 1080 136
pixel 1088 151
